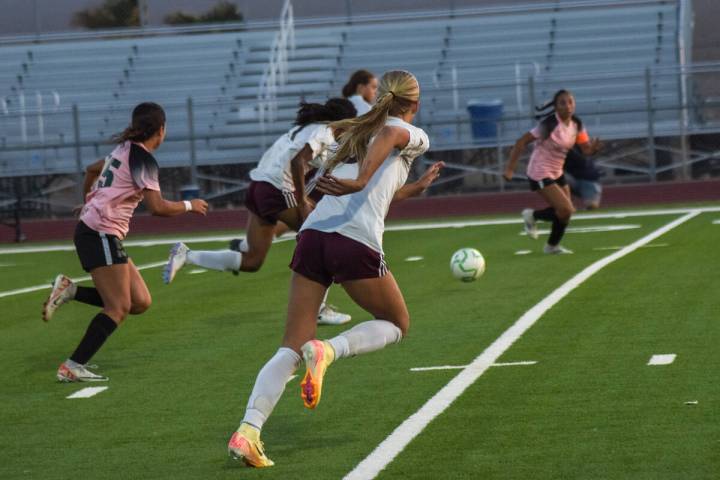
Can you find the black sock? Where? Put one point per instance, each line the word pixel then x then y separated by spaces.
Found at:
pixel 547 214
pixel 98 331
pixel 89 295
pixel 557 232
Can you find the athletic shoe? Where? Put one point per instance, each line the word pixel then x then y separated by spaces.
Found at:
pixel 70 371
pixel 329 315
pixel 556 250
pixel 530 223
pixel 245 445
pixel 318 356
pixel 176 260
pixel 63 290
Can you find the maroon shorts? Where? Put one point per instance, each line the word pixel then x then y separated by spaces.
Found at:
pixel 266 201
pixel 330 257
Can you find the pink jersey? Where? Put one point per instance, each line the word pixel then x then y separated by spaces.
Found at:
pixel 548 156
pixel 128 170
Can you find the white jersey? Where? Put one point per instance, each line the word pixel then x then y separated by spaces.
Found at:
pixel 361 215
pixel 360 104
pixel 274 166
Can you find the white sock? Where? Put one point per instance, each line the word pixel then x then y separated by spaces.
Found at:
pixel 322 305
pixel 365 337
pixel 269 386
pixel 223 260
pixel 244 246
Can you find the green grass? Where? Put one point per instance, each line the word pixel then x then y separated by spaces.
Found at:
pixel 182 372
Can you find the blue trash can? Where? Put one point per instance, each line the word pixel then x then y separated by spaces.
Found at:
pixel 189 192
pixel 484 116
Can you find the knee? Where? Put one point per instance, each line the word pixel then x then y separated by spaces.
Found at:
pixel 251 263
pixel 564 213
pixel 141 305
pixel 118 311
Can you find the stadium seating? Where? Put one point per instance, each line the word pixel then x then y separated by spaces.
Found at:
pixel 599 51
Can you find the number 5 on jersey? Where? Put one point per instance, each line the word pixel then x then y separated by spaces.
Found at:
pixel 107 174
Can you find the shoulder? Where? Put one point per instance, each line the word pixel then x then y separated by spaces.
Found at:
pixel 142 162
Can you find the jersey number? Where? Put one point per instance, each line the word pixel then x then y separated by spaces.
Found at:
pixel 107 174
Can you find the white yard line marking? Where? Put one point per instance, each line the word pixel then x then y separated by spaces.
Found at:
pixel 388 228
pixel 523 252
pixel 652 245
pixel 87 392
pixel 515 364
pixel 47 286
pixel 716 222
pixel 391 447
pixel 413 259
pixel 662 359
pixel 460 367
pixel 292 377
pixel 195 271
pixel 591 229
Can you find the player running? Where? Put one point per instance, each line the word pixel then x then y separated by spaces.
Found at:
pixel 113 188
pixel 341 242
pixel 556 133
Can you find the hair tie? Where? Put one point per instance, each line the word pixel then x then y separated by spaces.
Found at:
pixel 392 93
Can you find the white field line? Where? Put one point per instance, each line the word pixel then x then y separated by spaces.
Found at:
pixel 35 288
pixel 716 222
pixel 651 245
pixel 389 228
pixel 87 392
pixel 391 447
pixel 590 229
pixel 47 285
pixel 460 367
pixel 662 359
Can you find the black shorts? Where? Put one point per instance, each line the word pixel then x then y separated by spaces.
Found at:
pixel 540 184
pixel 97 249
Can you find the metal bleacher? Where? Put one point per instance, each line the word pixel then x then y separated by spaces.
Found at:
pixel 518 55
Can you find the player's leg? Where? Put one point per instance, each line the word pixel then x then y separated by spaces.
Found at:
pixel 560 211
pixel 305 297
pixel 113 284
pixel 63 290
pixel 140 298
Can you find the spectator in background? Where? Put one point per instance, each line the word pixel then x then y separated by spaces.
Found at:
pixel 361 90
pixel 582 175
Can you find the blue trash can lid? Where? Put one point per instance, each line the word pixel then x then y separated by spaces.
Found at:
pixel 485 103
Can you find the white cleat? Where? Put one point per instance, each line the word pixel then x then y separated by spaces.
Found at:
pixel 176 260
pixel 70 371
pixel 530 223
pixel 63 290
pixel 556 250
pixel 328 315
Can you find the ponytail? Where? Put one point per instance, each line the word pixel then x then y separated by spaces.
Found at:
pixel 398 91
pixel 333 110
pixel 147 119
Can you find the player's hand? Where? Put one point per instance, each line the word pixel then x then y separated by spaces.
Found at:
pixel 305 207
pixel 430 175
pixel 199 206
pixel 330 185
pixel 508 174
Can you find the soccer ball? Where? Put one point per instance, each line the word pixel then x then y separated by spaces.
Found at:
pixel 467 264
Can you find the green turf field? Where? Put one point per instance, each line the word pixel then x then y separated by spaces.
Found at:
pixel 591 408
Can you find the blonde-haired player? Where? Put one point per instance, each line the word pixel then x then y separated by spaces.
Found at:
pixel 341 242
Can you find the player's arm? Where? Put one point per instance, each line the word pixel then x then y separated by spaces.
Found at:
pixel 165 208
pixel 298 166
pixel 416 188
pixel 515 153
pixel 386 140
pixel 92 172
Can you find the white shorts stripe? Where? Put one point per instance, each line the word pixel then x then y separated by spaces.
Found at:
pixel 289 199
pixel 106 248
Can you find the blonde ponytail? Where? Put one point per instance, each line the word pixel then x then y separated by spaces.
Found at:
pixel 397 92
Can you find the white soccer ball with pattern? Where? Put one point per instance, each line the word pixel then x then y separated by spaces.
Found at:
pixel 467 264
